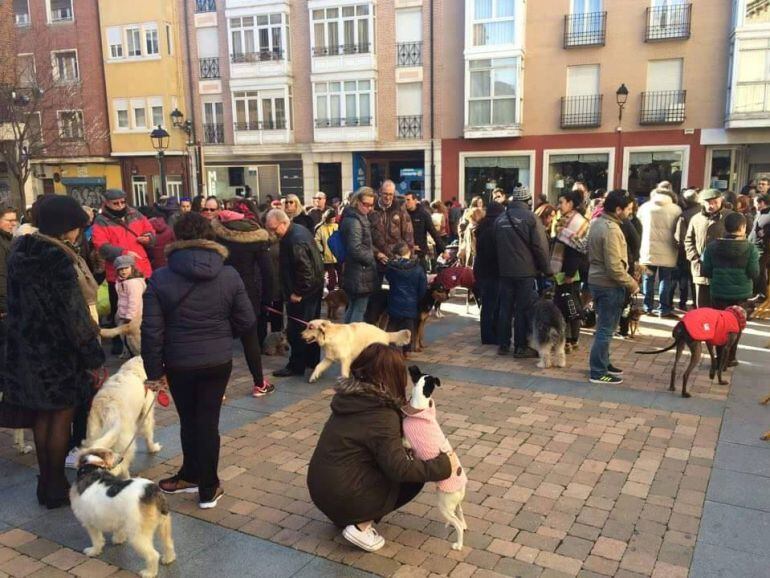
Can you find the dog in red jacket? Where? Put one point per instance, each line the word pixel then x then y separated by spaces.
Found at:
pixel 715 328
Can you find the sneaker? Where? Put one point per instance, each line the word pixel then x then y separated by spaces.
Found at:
pixel 368 539
pixel 607 380
pixel 525 353
pixel 176 485
pixel 612 370
pixel 262 389
pixel 71 461
pixel 212 503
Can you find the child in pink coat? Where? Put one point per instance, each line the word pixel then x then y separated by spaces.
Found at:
pixel 130 286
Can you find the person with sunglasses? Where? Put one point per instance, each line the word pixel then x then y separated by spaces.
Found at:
pixel 210 208
pixel 316 213
pixel 292 206
pixel 121 230
pixel 359 274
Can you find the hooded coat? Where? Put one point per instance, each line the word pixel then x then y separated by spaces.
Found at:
pixel 52 341
pixel 408 283
pixel 193 308
pixel 164 235
pixel 659 217
pixel 360 462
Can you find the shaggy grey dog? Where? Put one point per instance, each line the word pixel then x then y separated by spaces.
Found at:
pixel 548 334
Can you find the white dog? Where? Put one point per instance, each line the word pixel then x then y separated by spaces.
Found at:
pixel 343 343
pixel 423 435
pixel 120 408
pixel 21 446
pixel 131 509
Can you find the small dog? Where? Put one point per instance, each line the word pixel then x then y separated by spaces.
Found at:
pixel 713 327
pixel 131 509
pixel 131 334
pixel 549 334
pixel 434 296
pixel 423 435
pixel 334 300
pixel 276 344
pixel 119 408
pixel 344 343
pixel 634 315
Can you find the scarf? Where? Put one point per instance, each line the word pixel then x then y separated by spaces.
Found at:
pixel 571 231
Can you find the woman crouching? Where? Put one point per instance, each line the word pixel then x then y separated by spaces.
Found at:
pixel 360 470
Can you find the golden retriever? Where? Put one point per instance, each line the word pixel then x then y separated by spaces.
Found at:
pixel 132 334
pixel 344 343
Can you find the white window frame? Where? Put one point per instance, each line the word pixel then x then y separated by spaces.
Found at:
pixel 472 22
pixel 685 149
pixel 517 121
pixel 139 189
pixel 128 32
pixel 328 19
pixel 55 67
pixel 19 57
pixel 273 51
pixel 148 31
pixel 547 153
pixel 259 96
pixel 49 13
pixel 531 153
pixel 742 48
pixel 740 17
pixel 120 53
pixel 135 105
pixel 22 18
pixel 59 122
pixel 343 93
pixel 174 186
pixel 118 105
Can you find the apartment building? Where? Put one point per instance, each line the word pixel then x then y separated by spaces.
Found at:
pixel 144 61
pixel 59 73
pixel 543 103
pixel 296 96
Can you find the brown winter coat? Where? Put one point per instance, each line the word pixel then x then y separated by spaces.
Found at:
pixel 704 228
pixel 360 463
pixel 391 226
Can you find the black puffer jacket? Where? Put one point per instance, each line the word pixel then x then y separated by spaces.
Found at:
pixel 248 244
pixel 485 263
pixel 5 249
pixel 359 276
pixel 760 232
pixel 422 226
pixel 52 341
pixel 193 308
pixel 522 249
pixel 302 267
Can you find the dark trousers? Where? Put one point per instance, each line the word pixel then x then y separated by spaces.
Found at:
pixel 303 354
pixel 80 425
pixel 702 295
pixel 253 353
pixel 517 296
pixel 490 307
pixel 722 305
pixel 684 281
pixel 760 283
pixel 198 395
pixel 400 323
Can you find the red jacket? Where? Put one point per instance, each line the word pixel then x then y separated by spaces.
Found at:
pixel 452 277
pixel 114 238
pixel 163 236
pixel 711 325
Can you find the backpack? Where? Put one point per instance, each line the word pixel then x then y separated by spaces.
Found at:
pixel 336 245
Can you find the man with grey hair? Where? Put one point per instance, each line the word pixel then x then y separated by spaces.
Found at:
pixel 319 206
pixel 302 283
pixel 390 225
pixel 690 204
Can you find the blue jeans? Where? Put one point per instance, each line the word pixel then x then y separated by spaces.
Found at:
pixel 517 296
pixel 665 288
pixel 608 303
pixel 356 308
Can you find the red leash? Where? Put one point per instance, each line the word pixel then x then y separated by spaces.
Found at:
pixel 301 321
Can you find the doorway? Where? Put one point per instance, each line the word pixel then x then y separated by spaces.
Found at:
pixel 330 179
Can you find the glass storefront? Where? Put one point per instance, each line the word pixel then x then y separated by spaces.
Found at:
pixel 721 169
pixel 566 169
pixel 485 174
pixel 647 169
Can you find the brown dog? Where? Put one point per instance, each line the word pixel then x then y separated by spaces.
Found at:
pixel 334 300
pixel 433 298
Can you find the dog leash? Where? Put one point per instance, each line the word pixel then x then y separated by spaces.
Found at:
pixel 301 321
pixel 140 422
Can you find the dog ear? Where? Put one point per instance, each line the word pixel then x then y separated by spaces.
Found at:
pixel 415 373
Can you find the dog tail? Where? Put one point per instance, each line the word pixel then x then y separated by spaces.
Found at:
pixel 119 330
pixel 656 351
pixel 97 420
pixel 402 337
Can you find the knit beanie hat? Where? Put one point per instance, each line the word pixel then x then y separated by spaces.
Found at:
pixel 520 193
pixel 124 261
pixel 58 214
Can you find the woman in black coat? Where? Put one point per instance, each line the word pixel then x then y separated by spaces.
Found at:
pixel 248 244
pixel 360 470
pixel 193 308
pixel 359 274
pixel 53 348
pixel 486 271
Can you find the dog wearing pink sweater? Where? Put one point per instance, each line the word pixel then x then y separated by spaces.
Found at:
pixel 423 435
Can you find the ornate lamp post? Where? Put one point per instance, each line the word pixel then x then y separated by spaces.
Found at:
pixel 621 97
pixel 160 138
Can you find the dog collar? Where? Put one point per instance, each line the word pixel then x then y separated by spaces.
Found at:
pixel 86 469
pixel 740 315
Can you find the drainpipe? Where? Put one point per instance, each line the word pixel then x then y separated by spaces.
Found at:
pixel 432 114
pixel 196 146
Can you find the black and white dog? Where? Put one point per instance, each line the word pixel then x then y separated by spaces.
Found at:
pixel 549 332
pixel 131 509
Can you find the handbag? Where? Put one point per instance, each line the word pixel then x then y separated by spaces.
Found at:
pixel 15 416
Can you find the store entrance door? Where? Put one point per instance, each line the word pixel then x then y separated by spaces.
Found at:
pixel 330 179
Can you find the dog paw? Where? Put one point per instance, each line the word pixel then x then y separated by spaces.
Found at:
pixel 169 558
pixel 92 551
pixel 561 363
pixel 457 546
pixel 541 365
pixel 119 538
pixel 23 449
pixel 148 574
pixel 313 378
pixel 154 448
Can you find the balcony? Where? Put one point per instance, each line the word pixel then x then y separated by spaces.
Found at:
pixel 209 68
pixel 214 133
pixel 750 105
pixel 581 111
pixel 663 107
pixel 346 129
pixel 409 126
pixel 262 132
pixel 344 57
pixel 668 22
pixel 261 56
pixel 205 6
pixel 409 54
pixel 589 29
pixel 261 125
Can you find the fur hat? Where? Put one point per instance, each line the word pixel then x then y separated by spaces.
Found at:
pixel 520 193
pixel 58 214
pixel 113 194
pixel 124 261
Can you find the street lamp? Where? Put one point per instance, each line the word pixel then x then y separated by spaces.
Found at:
pixel 621 97
pixel 177 121
pixel 160 138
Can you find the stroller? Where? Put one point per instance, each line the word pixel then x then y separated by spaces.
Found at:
pixel 452 275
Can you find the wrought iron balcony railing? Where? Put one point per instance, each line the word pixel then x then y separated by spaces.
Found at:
pixel 214 133
pixel 663 107
pixel 668 22
pixel 260 56
pixel 409 126
pixel 205 6
pixel 409 54
pixel 335 50
pixel 209 68
pixel 279 124
pixel 340 122
pixel 581 111
pixel 588 29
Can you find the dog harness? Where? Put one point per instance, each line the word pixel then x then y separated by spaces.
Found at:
pixel 452 277
pixel 428 441
pixel 713 325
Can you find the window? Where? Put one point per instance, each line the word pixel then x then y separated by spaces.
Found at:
pixel 134 41
pixel 565 169
pixel 668 19
pixel 409 37
pixel 174 187
pixel 60 10
pixel 341 30
pixel 757 12
pixel 71 124
pixel 121 115
pixel 664 100
pixel 258 110
pixel 25 70
pixel 213 123
pixel 409 109
pixel 255 38
pixel 647 169
pixel 752 91
pixel 664 75
pixel 115 41
pixel 65 66
pixel 492 97
pixel 151 40
pixel 169 41
pixel 482 175
pixel 493 22
pixel 344 103
pixel 139 188
pixel 157 115
pixel 585 25
pixel 140 113
pixel 21 12
pixel 583 104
